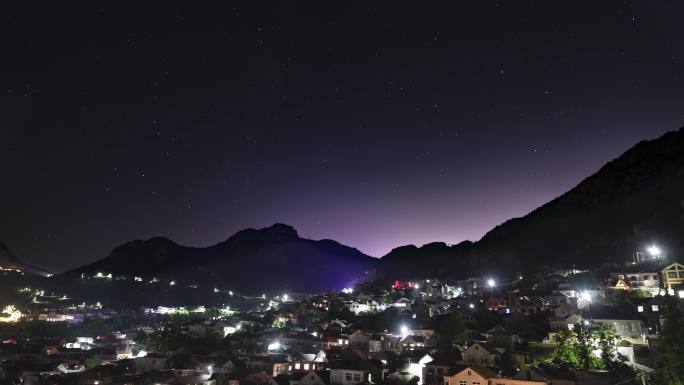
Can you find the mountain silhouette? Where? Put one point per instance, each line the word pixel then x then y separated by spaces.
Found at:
pixel 254 261
pixel 630 203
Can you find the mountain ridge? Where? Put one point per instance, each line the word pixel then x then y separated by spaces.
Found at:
pixel 262 254
pixel 631 201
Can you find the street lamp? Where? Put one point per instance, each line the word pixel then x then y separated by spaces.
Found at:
pixel 654 251
pixel 491 282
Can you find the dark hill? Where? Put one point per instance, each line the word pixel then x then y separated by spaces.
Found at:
pixel 254 261
pixel 629 203
pixel 9 260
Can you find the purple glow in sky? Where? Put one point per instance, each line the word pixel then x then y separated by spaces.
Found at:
pixel 374 126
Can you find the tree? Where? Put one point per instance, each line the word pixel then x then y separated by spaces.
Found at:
pixel 585 345
pixel 450 334
pixel 607 342
pixel 507 363
pixel 670 362
pixel 93 361
pixel 566 352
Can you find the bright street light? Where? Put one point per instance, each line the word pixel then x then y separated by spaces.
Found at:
pixel 491 282
pixel 404 330
pixel 654 251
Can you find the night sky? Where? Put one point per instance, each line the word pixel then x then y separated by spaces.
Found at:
pixel 374 125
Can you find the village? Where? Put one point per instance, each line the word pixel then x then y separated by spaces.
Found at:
pixel 564 327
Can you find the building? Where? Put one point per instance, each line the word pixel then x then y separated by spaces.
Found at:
pixel 481 353
pixel 365 341
pixel 649 281
pixel 626 325
pixel 673 277
pixel 471 375
pixel 478 375
pixel 345 372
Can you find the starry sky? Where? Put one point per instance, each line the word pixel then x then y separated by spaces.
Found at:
pixel 374 124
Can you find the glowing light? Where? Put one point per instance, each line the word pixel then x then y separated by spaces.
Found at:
pixel 172 283
pixel 404 330
pixel 230 292
pixel 491 282
pixel 347 290
pixel 654 251
pixel 471 306
pixel 416 286
pixel 10 314
pixel 585 296
pixel 286 297
pixel 216 290
pixel 274 346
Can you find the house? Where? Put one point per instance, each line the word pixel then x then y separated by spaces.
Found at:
pixel 626 325
pixel 365 341
pixel 522 304
pixel 618 284
pixel 358 307
pixel 532 373
pixel 299 341
pixel 311 377
pixel 481 353
pixel 499 337
pixel 152 361
pixel 673 277
pixel 415 342
pixel 353 372
pixel 557 324
pixel 478 375
pixel 260 379
pixel 649 281
pixel 562 297
pixel 435 370
pixel 470 375
pixel 335 341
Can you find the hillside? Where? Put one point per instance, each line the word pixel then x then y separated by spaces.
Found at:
pixel 253 261
pixel 9 260
pixel 631 202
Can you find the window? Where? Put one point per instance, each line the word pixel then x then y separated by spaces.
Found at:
pixel 654 307
pixel 348 377
pixel 470 373
pixel 297 365
pixel 681 274
pixel 306 366
pixel 462 382
pixel 357 378
pixel 640 309
pixel 671 274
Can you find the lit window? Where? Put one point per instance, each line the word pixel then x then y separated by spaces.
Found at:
pixel 640 309
pixel 297 365
pixel 654 307
pixel 306 366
